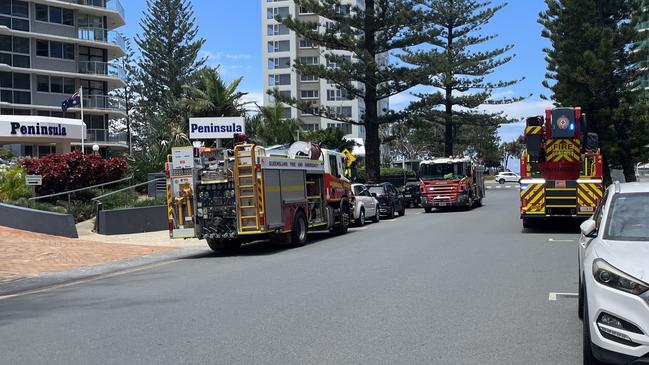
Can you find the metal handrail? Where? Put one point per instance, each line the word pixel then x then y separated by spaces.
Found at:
pixel 70 192
pixel 99 198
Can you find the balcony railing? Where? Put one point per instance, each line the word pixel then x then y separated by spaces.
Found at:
pixel 104 102
pixel 101 35
pixel 101 68
pixel 106 136
pixel 115 5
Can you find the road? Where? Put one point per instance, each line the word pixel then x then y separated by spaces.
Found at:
pixel 440 288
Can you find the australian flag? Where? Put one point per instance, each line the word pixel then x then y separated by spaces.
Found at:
pixel 71 102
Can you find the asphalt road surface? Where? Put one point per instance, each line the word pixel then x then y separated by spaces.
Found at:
pixel 441 288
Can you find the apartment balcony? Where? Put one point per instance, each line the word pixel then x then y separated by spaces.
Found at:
pixel 104 102
pixel 101 35
pixel 101 68
pixel 105 136
pixel 114 5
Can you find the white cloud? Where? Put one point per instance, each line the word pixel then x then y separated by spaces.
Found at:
pixel 256 97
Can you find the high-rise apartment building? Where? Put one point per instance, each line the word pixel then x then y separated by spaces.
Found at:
pixel 283 47
pixel 48 50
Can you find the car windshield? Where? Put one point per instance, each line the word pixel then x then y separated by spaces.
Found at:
pixel 378 190
pixel 442 171
pixel 358 189
pixel 628 218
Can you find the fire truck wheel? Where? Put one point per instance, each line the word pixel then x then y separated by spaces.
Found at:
pixel 402 212
pixel 221 245
pixel 361 218
pixel 527 223
pixel 428 209
pixel 343 226
pixel 299 232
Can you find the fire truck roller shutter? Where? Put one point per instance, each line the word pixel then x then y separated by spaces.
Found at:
pixel 592 142
pixel 273 198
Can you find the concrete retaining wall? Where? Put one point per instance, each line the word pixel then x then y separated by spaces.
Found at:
pixel 132 220
pixel 38 221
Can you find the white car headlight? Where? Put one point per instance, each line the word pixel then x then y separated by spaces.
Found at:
pixel 610 276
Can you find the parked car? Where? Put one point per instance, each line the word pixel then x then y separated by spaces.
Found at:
pixel 507 176
pixel 614 277
pixel 365 205
pixel 411 193
pixel 390 201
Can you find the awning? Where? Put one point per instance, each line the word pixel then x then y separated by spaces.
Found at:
pixel 33 128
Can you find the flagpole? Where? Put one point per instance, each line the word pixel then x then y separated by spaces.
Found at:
pixel 83 124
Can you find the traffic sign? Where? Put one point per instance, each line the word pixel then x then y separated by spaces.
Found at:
pixel 350 158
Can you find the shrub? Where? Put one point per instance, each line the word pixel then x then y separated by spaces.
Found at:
pixel 63 172
pixel 12 184
pixel 5 154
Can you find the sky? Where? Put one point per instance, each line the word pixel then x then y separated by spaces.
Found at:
pixel 232 30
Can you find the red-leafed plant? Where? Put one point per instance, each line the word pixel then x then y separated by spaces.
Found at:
pixel 63 172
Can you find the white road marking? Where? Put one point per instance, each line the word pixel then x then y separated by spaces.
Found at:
pixel 389 220
pixel 83 281
pixel 420 213
pixel 359 228
pixel 553 240
pixel 554 296
pixel 499 187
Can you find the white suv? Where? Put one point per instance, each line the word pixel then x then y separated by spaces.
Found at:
pixel 507 176
pixel 365 205
pixel 614 276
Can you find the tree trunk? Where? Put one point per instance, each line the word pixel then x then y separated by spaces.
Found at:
pixel 449 137
pixel 372 142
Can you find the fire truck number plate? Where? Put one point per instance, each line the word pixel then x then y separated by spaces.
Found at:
pixel 560 184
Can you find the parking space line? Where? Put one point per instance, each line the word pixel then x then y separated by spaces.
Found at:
pixel 554 296
pixel 554 240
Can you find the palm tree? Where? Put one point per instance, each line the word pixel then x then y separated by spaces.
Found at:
pixel 273 127
pixel 210 96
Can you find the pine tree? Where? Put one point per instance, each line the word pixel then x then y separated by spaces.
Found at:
pixel 453 66
pixel 170 47
pixel 593 64
pixel 366 33
pixel 130 72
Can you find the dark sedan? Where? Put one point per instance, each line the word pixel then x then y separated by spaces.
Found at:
pixel 390 200
pixel 412 194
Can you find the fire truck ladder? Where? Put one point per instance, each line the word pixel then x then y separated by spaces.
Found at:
pixel 247 188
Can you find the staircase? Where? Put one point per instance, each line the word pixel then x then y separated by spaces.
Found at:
pixel 250 211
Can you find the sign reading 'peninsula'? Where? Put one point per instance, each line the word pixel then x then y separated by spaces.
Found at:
pixel 216 128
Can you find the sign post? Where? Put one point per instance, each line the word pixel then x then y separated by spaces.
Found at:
pixel 34 181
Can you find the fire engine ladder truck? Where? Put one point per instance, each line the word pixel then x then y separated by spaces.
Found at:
pixel 248 182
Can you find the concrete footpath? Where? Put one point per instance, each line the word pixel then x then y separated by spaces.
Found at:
pixel 29 261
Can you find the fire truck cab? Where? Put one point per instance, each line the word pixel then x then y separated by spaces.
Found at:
pixel 251 193
pixel 451 182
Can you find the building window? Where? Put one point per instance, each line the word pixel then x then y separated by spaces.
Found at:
pixel 271 13
pixel 287 112
pixel 311 127
pixel 277 29
pixel 14 51
pixel 278 63
pixel 309 78
pixel 282 79
pixel 279 46
pixel 55 49
pixel 11 86
pixel 14 14
pixel 345 127
pixel 344 111
pixel 309 94
pixel 337 95
pixel 53 14
pixel 305 43
pixel 310 60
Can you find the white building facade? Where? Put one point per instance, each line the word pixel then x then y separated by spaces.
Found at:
pixel 283 47
pixel 48 50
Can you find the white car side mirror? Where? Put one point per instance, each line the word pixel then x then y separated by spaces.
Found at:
pixel 589 228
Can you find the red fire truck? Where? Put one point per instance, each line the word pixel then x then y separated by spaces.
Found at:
pixel 561 167
pixel 257 193
pixel 451 182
